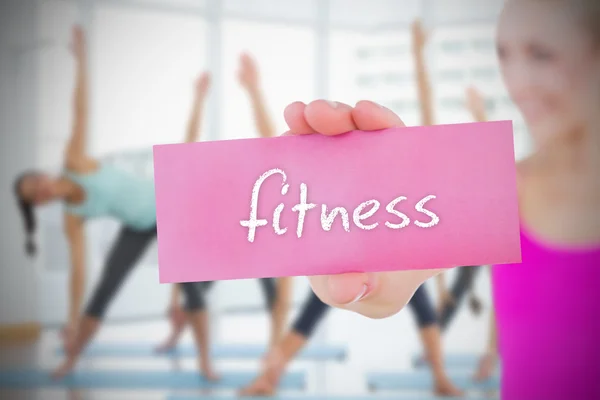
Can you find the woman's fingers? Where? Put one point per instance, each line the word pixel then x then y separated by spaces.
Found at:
pixel 376 295
pixel 369 116
pixel 294 117
pixel 334 118
pixel 329 117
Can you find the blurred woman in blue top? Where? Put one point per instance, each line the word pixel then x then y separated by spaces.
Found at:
pixel 90 189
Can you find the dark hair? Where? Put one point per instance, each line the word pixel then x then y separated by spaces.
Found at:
pixel 26 209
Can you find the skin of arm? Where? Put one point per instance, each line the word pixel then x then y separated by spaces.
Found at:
pixel 195 119
pixel 419 39
pixel 76 157
pixel 248 76
pixel 476 104
pixel 74 230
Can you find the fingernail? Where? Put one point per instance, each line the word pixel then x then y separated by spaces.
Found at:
pixel 332 104
pixel 362 294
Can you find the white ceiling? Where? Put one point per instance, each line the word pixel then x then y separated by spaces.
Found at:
pixel 347 14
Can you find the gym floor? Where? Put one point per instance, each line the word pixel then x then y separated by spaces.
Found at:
pixel 371 347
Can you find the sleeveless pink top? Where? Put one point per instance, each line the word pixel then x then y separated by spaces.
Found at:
pixel 548 319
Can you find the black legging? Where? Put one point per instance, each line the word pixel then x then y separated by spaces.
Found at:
pixel 424 310
pixel 461 286
pixel 312 313
pixel 195 293
pixel 124 255
pixel 422 307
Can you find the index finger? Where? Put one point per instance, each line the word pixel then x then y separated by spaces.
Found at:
pixel 369 116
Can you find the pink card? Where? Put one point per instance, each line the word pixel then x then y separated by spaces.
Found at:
pixel 398 199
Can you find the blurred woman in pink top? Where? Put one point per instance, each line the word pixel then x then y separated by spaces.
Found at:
pixel 547 307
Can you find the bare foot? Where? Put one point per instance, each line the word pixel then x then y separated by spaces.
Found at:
pixel 64 369
pixel 445 388
pixel 486 367
pixel 68 336
pixel 208 373
pixel 419 361
pixel 261 386
pixel 178 320
pixel 167 345
pixel 266 383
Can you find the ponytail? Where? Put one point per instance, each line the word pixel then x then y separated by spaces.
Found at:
pixel 28 215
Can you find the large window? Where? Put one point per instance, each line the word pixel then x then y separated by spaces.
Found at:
pixel 289 10
pixel 468 52
pixel 53 109
pixel 372 14
pixel 286 59
pixel 346 77
pixel 53 112
pixel 461 12
pixel 377 67
pixel 144 64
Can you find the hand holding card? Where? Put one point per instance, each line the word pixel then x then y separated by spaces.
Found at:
pixel 373 294
pixel 345 211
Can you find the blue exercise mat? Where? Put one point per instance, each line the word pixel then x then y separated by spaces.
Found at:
pixel 125 379
pixel 322 397
pixel 423 380
pixel 451 360
pixel 229 351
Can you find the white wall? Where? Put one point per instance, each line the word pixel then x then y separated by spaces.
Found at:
pixel 17 131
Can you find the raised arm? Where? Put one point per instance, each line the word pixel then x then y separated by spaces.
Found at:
pixel 76 157
pixel 419 40
pixel 74 230
pixel 476 104
pixel 195 121
pixel 248 76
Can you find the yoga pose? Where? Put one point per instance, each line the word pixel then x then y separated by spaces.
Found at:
pixel 549 54
pixel 277 294
pixel 90 189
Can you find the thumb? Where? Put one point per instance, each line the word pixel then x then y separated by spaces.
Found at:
pixel 349 288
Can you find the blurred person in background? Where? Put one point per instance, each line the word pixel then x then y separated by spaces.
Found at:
pixel 283 345
pixel 90 189
pixel 277 292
